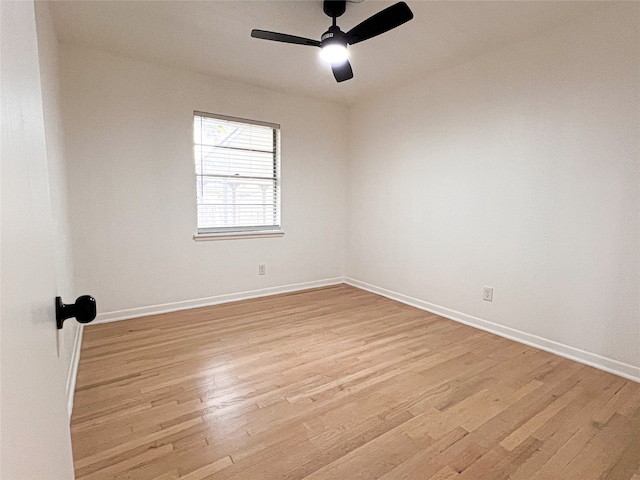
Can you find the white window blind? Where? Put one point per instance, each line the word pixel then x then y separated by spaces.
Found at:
pixel 237 174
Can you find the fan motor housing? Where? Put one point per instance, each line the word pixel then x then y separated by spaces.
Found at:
pixel 334 8
pixel 333 35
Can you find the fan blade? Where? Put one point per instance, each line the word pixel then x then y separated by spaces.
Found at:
pixel 342 71
pixel 381 22
pixel 282 37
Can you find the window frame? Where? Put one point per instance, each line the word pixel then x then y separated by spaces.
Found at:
pixel 231 232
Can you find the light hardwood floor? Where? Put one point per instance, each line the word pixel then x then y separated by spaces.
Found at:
pixel 338 383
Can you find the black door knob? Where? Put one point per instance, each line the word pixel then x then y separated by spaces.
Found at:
pixel 84 309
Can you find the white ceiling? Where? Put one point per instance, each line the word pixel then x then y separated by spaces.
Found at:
pixel 214 37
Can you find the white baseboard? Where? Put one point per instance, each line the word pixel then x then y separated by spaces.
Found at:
pixel 73 369
pixel 602 363
pixel 594 360
pixel 206 302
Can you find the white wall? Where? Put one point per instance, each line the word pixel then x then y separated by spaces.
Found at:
pixel 128 132
pixel 34 422
pixel 50 84
pixel 518 170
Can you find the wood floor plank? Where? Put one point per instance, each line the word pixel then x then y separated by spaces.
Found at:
pixel 339 383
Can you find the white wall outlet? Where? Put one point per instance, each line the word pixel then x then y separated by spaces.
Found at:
pixel 262 269
pixel 487 294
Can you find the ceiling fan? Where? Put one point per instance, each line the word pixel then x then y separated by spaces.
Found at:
pixel 333 43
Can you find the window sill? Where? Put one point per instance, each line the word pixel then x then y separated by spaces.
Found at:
pixel 207 237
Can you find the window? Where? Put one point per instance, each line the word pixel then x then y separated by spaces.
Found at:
pixel 237 174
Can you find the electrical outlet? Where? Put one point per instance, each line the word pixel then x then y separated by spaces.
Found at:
pixel 487 294
pixel 262 269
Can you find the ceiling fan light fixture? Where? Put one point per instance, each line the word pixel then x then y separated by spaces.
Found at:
pixel 333 43
pixel 334 53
